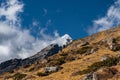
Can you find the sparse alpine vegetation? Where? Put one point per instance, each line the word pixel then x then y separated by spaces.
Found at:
pixel 112 61
pixel 95 55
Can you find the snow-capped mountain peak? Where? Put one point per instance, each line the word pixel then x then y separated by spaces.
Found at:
pixel 64 40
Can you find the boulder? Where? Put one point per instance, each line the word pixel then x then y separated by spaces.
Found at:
pixel 102 74
pixel 91 51
pixel 52 69
pixel 111 41
pixel 106 73
pixel 91 76
pixel 84 43
pixel 114 47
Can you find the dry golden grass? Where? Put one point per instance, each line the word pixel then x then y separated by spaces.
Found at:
pixel 80 63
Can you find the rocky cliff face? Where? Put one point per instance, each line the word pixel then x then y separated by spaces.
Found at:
pixel 95 57
pixel 50 50
pixel 16 63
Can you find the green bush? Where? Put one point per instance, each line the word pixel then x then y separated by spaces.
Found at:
pixel 60 61
pixel 63 54
pixel 108 63
pixel 84 49
pixel 31 69
pixel 42 74
pixel 12 71
pixel 57 62
pixel 26 66
pixel 19 76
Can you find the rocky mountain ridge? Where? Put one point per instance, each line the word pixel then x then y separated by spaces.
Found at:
pixel 96 57
pixel 50 50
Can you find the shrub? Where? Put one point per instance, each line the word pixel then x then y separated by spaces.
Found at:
pixel 60 61
pixel 26 66
pixel 63 54
pixel 42 74
pixel 70 58
pixel 31 69
pixel 56 62
pixel 19 76
pixel 84 49
pixel 108 63
pixel 12 71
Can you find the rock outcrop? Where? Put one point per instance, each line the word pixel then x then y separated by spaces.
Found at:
pixel 16 63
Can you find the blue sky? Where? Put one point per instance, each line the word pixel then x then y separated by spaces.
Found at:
pixel 67 16
pixel 27 26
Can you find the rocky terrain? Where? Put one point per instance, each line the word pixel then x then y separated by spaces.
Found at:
pixel 95 57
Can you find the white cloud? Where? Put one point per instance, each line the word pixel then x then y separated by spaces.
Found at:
pixel 111 19
pixel 16 42
pixel 45 36
pixel 56 34
pixel 35 23
pixel 10 10
pixel 4 50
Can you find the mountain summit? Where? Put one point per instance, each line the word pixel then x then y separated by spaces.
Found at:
pixel 64 40
pixel 50 50
pixel 96 57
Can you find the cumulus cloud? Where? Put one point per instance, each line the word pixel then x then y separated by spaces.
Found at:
pixel 10 10
pixel 111 19
pixel 56 34
pixel 35 23
pixel 16 42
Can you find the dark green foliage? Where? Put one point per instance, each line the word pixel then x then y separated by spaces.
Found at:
pixel 12 71
pixel 84 49
pixel 26 66
pixel 60 61
pixel 70 58
pixel 57 62
pixel 31 69
pixel 63 54
pixel 42 74
pixel 19 76
pixel 109 62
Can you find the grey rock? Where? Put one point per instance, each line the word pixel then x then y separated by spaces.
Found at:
pixel 93 50
pixel 114 47
pixel 84 43
pixel 52 69
pixel 110 40
pixel 91 76
pixel 104 57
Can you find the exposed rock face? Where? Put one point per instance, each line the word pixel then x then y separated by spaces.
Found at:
pixel 111 40
pixel 46 52
pixel 114 47
pixel 91 51
pixel 84 43
pixel 92 76
pixel 104 57
pixel 106 73
pixel 10 65
pixel 101 74
pixel 16 63
pixel 112 44
pixel 89 76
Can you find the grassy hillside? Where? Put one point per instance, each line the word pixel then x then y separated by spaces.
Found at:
pixel 81 57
